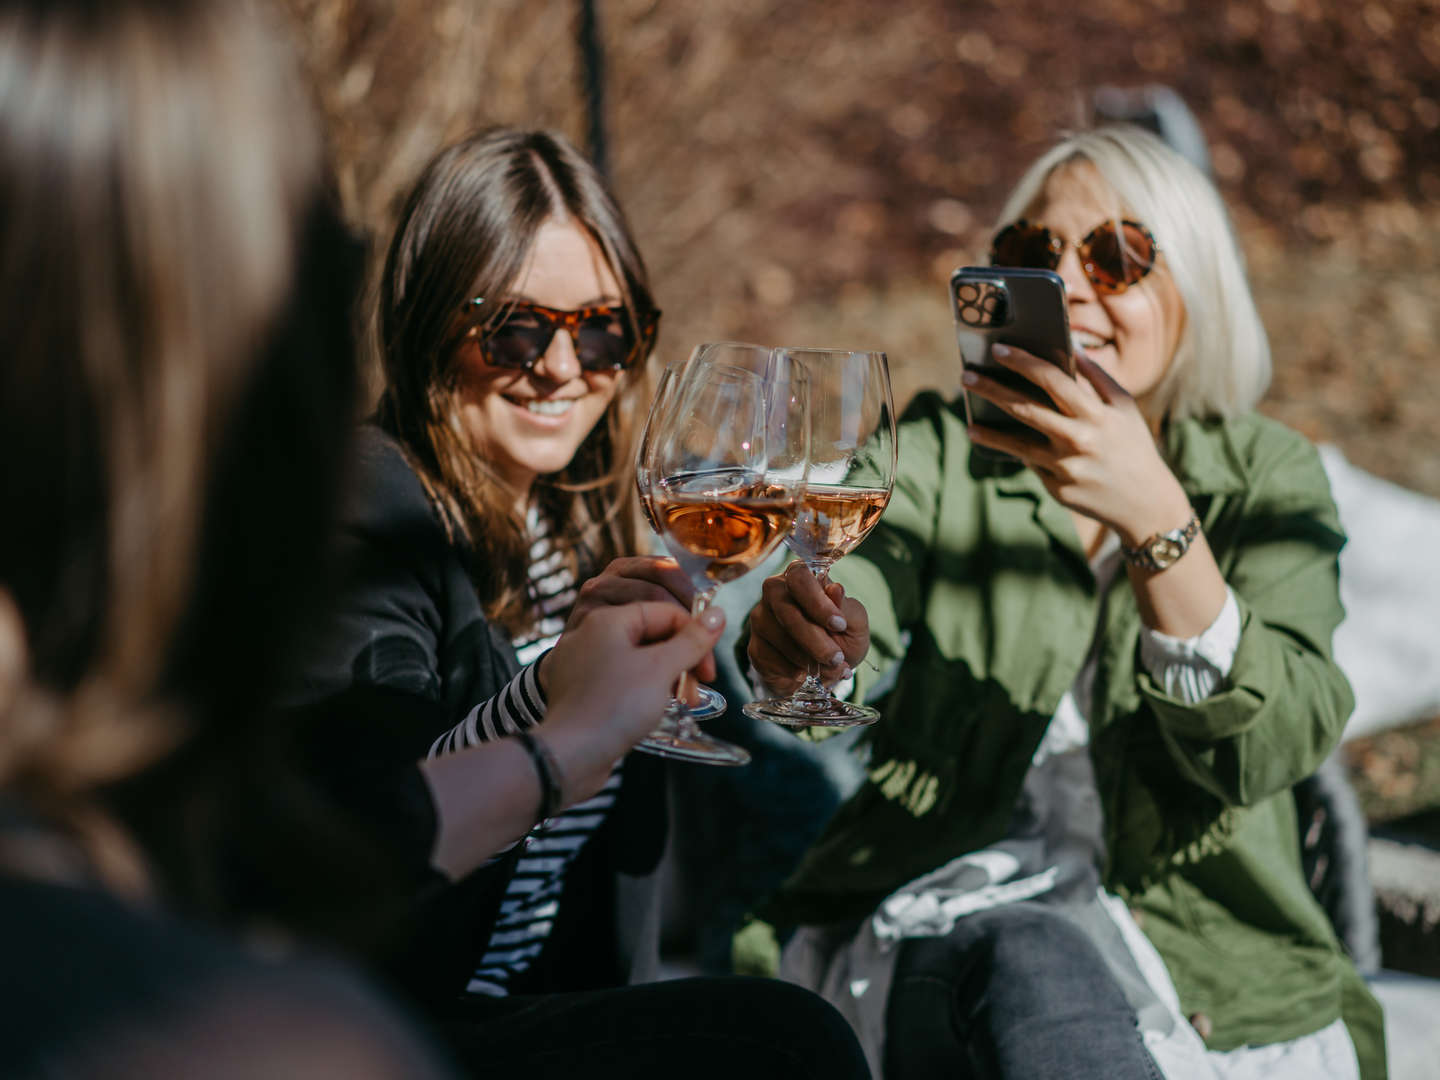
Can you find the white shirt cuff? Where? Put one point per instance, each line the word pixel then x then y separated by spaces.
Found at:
pixel 1191 669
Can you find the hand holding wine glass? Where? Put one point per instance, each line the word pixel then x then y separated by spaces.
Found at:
pixel 704 703
pixel 852 472
pixel 725 459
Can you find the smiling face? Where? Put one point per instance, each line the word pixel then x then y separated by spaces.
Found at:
pixel 1133 334
pixel 530 423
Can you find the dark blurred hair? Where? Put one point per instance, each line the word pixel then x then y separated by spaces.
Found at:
pixel 175 301
pixel 465 231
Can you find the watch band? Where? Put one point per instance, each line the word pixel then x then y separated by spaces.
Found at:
pixel 1163 549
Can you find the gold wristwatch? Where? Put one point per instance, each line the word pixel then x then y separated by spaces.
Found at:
pixel 1163 549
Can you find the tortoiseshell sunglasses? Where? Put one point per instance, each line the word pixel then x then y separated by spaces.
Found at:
pixel 603 336
pixel 1113 259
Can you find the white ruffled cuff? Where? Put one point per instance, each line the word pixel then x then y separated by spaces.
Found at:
pixel 1191 669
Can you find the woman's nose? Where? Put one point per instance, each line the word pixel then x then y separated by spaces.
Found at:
pixel 559 364
pixel 1078 286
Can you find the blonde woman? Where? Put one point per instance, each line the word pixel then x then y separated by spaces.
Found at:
pixel 1114 662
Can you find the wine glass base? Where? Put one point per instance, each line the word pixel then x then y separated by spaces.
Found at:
pixel 812 712
pixel 712 704
pixel 698 748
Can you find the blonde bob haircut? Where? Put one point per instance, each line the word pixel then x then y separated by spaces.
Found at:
pixel 1221 366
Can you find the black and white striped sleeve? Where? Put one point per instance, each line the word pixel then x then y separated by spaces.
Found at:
pixel 518 707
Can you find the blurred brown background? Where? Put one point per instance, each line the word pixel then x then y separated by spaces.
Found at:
pixel 809 172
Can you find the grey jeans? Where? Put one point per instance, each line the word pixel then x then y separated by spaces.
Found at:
pixel 1018 991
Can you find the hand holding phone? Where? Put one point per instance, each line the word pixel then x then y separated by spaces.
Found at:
pixel 1022 308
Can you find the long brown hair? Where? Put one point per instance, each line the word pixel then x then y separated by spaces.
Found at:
pixel 178 376
pixel 466 230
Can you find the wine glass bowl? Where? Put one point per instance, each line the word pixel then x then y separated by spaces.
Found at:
pixel 850 477
pixel 709 703
pixel 722 465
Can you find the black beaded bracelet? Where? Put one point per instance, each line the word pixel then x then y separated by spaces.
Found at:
pixel 547 769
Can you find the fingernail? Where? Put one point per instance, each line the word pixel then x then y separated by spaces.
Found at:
pixel 837 622
pixel 838 658
pixel 1000 350
pixel 712 618
pixel 969 378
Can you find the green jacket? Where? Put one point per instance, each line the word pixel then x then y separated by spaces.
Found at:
pixel 982 569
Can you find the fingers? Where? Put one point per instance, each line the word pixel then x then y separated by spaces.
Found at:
pixel 635 579
pixel 812 599
pixel 657 622
pixel 657 570
pixel 774 654
pixel 795 604
pixel 1027 450
pixel 651 621
pixel 662 572
pixel 604 592
pixel 1110 391
pixel 684 646
pixel 855 642
pixel 1040 416
pixel 1071 396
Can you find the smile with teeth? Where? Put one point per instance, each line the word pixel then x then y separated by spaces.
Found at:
pixel 1084 339
pixel 546 406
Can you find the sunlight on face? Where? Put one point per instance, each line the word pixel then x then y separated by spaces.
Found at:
pixel 1133 335
pixel 529 424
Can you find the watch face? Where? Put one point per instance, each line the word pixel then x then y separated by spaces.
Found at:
pixel 1165 551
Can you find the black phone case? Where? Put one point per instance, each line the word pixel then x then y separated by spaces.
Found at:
pixel 999 305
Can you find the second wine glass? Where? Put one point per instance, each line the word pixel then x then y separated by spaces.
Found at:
pixel 710 703
pixel 851 474
pixel 727 459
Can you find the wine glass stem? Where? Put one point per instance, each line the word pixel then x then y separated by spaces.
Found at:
pixel 683 719
pixel 812 688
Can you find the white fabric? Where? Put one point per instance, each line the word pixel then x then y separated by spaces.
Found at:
pixel 1389 644
pixel 520 706
pixel 1192 669
pixel 532 897
pixel 1326 1054
pixel 933 912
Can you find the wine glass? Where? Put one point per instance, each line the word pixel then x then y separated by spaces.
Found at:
pixel 852 472
pixel 726 458
pixel 711 702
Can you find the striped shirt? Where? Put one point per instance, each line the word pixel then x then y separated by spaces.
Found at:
pixel 532 899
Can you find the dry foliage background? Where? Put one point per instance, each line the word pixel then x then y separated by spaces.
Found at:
pixel 810 171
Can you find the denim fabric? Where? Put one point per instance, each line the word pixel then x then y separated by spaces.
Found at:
pixel 1015 992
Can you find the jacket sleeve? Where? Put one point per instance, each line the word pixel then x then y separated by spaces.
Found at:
pixel 1285 702
pixel 370 699
pixel 889 572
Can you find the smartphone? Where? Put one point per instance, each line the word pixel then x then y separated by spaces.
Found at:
pixel 1002 305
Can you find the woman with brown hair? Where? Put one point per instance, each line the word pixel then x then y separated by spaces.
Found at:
pixel 514 326
pixel 178 377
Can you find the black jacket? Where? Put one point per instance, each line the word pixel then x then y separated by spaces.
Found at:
pixel 405 656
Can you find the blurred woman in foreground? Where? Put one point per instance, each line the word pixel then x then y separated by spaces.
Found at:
pixel 1114 663
pixel 175 393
